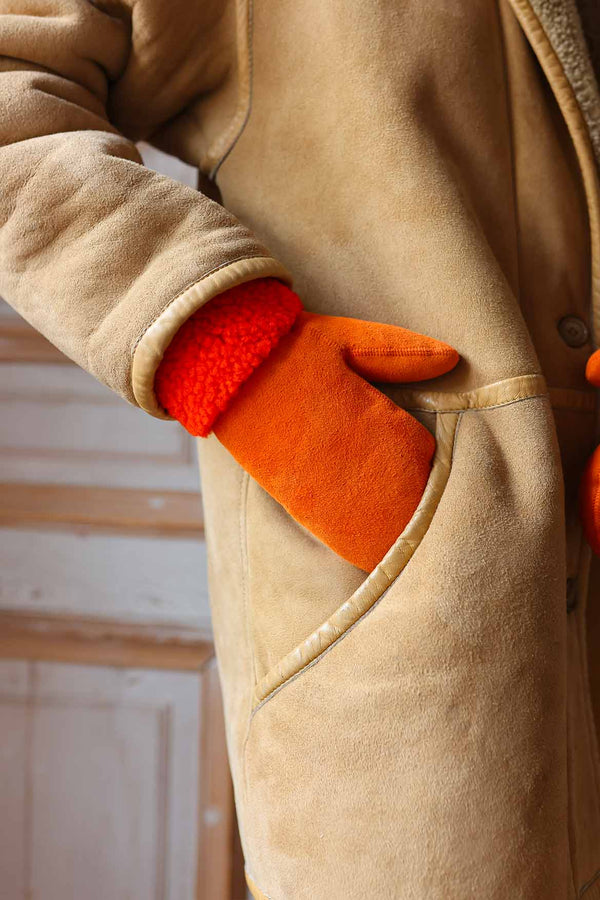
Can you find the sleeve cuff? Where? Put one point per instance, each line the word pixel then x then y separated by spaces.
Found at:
pixel 151 345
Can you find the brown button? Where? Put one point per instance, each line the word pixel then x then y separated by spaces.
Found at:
pixel 573 331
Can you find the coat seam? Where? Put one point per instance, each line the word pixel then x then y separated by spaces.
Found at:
pixel 243 534
pixel 512 140
pixel 264 896
pixel 580 637
pixel 570 814
pixel 467 409
pixel 249 7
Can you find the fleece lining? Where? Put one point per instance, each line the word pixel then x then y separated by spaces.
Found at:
pixel 562 23
pixel 219 347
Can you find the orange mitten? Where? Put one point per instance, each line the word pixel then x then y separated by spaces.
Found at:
pixel 345 461
pixel 589 494
pixel 342 458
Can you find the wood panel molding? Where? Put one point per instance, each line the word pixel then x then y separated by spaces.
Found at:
pixel 121 510
pixel 87 641
pixel 101 642
pixel 220 859
pixel 182 454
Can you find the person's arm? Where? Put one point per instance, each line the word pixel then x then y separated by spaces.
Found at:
pixel 103 256
pixel 110 260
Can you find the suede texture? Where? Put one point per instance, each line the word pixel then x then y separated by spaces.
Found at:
pixel 432 171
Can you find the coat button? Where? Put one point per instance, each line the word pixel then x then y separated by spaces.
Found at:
pixel 573 331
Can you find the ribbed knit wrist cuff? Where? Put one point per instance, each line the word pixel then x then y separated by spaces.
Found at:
pixel 219 347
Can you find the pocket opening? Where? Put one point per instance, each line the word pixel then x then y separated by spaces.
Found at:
pixel 380 579
pixel 449 408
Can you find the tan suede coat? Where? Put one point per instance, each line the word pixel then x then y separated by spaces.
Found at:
pixel 428 731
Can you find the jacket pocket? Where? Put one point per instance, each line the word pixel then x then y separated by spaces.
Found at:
pixel 420 744
pixel 311 580
pixel 371 589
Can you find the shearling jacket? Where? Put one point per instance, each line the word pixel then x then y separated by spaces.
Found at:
pixel 427 731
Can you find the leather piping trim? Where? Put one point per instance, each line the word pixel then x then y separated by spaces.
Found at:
pixel 254 890
pixel 155 340
pixel 499 393
pixel 580 135
pixel 450 406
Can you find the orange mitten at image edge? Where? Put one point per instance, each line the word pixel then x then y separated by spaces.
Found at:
pixel 589 492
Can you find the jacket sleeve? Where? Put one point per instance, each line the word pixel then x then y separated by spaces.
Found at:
pixel 103 256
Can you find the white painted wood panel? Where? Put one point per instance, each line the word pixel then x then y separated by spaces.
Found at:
pixel 96 784
pixel 60 425
pixel 99 783
pixel 14 723
pixel 118 576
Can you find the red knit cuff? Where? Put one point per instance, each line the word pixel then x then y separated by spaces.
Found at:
pixel 219 347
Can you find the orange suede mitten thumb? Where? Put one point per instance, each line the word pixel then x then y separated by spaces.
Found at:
pixel 342 458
